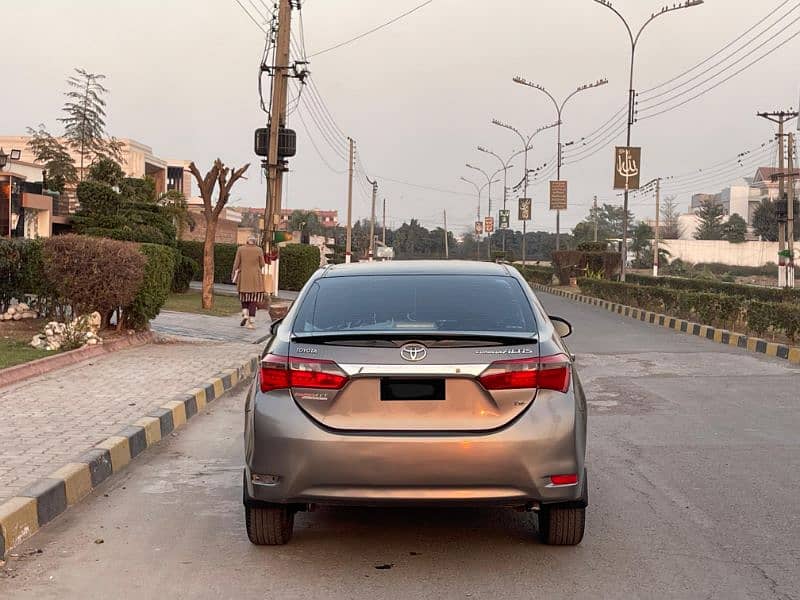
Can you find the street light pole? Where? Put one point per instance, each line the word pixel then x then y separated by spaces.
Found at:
pixel 527 142
pixel 506 165
pixel 489 181
pixel 560 112
pixel 479 190
pixel 631 100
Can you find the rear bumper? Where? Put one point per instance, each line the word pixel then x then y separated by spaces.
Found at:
pixel 507 467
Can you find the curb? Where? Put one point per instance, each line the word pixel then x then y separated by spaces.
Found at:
pixel 42 366
pixel 39 503
pixel 713 334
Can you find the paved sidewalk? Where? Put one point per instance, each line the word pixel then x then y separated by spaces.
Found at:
pixel 49 420
pixel 205 327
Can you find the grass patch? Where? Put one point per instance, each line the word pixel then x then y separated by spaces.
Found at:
pixel 13 352
pixel 192 302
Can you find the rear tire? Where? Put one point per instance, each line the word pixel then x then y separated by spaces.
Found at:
pixel 562 525
pixel 271 526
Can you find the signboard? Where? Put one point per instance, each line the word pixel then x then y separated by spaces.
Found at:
pixel 505 219
pixel 627 166
pixel 489 225
pixel 478 228
pixel 525 209
pixel 558 195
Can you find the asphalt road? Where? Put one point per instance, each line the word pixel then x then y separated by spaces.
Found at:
pixel 694 456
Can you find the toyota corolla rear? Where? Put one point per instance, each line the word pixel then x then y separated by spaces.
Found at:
pixel 435 383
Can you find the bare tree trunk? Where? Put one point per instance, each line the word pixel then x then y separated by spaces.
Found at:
pixel 208 263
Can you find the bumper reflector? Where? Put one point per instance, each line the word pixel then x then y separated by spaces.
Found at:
pixel 564 479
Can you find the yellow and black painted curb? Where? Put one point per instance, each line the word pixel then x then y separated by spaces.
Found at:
pixel 720 336
pixel 39 503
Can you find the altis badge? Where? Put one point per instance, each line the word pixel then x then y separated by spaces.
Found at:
pixel 509 351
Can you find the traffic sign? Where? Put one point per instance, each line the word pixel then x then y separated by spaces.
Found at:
pixel 558 195
pixel 505 219
pixel 525 209
pixel 627 168
pixel 488 225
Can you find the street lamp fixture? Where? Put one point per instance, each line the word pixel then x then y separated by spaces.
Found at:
pixel 527 142
pixel 559 111
pixel 4 158
pixel 634 39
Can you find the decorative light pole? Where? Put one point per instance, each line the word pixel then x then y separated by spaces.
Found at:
pixel 505 166
pixel 490 179
pixel 478 190
pixel 560 112
pixel 632 97
pixel 527 142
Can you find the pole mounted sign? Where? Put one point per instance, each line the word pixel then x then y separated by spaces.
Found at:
pixel 525 209
pixel 558 195
pixel 505 219
pixel 627 168
pixel 478 228
pixel 489 225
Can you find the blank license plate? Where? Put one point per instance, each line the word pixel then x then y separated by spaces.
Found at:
pixel 402 389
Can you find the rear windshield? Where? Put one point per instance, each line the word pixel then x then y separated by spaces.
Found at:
pixel 426 303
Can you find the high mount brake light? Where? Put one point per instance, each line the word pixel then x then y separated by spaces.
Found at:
pixel 280 372
pixel 544 373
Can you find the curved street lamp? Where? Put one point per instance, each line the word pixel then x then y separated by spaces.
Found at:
pixel 478 190
pixel 632 95
pixel 506 165
pixel 527 142
pixel 559 112
pixel 490 179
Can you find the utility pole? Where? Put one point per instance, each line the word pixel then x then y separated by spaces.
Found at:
pixel 277 120
pixel 372 220
pixel 446 248
pixel 348 250
pixel 384 222
pixel 595 218
pixel 658 227
pixel 780 117
pixel 790 215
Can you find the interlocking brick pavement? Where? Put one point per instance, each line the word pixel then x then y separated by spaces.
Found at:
pixel 51 419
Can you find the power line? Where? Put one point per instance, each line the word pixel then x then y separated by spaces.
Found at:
pixel 252 18
pixel 718 52
pixel 373 30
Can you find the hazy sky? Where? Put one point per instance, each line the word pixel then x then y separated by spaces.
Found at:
pixel 418 96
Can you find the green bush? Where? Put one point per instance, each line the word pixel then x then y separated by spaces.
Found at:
pixel 593 246
pixel 22 272
pixel 577 263
pixel 224 255
pixel 98 198
pixel 155 286
pixel 185 271
pixel 93 274
pixel 298 262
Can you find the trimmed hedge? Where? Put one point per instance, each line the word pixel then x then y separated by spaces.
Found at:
pixel 155 287
pixel 93 274
pixel 576 263
pixel 720 310
pixel 224 255
pixel 22 272
pixel 752 292
pixel 543 275
pixel 298 262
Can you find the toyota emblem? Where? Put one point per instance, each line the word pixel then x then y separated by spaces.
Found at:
pixel 413 352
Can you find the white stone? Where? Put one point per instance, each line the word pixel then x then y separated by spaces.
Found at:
pixel 92 342
pixel 17 317
pixel 29 315
pixel 22 307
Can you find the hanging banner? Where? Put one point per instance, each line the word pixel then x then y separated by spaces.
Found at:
pixel 488 225
pixel 478 228
pixel 525 209
pixel 558 195
pixel 627 167
pixel 505 219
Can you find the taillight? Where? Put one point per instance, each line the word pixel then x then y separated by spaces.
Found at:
pixel 544 373
pixel 564 479
pixel 280 373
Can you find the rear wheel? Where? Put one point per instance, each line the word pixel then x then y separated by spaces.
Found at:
pixel 562 525
pixel 271 526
